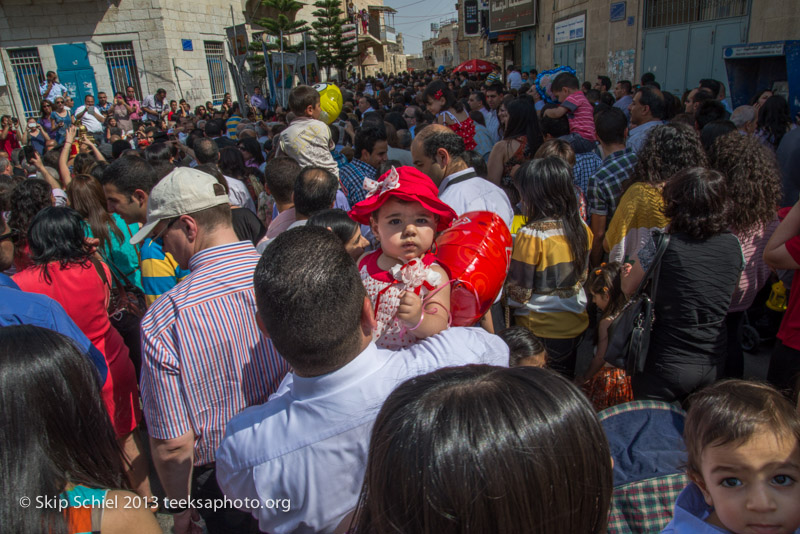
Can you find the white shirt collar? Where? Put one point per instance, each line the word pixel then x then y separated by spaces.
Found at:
pixel 453 176
pixel 362 365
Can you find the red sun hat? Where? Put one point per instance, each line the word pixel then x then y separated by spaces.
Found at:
pixel 405 183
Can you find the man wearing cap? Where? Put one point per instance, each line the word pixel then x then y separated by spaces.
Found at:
pixel 155 106
pixel 203 357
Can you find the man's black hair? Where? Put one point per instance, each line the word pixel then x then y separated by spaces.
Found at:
pixel 712 85
pixel 450 141
pixel 280 175
pixel 206 150
pixel 610 126
pixel 497 88
pixel 129 173
pixel 118 147
pixel 605 81
pixel 554 127
pixel 710 111
pixel 214 127
pixel 294 285
pixel 654 99
pixel 366 137
pixel 626 86
pixel 314 190
pixel 648 77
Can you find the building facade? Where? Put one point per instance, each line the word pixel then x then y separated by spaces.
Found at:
pixel 95 45
pixel 680 41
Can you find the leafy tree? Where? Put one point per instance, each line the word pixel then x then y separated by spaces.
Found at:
pixel 282 20
pixel 327 35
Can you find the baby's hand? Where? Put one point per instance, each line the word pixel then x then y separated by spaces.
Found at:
pixel 410 309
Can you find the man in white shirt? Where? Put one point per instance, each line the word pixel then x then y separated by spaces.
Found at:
pixel 514 77
pixel 155 106
pixel 92 118
pixel 50 89
pixel 299 459
pixel 437 152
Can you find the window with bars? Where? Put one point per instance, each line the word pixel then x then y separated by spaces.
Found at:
pixel 27 67
pixel 121 63
pixel 215 58
pixel 660 13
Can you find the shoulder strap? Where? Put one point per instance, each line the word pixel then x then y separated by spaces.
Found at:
pixel 462 178
pixel 654 268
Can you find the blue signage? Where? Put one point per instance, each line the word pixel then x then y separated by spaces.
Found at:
pixel 187 45
pixel 617 11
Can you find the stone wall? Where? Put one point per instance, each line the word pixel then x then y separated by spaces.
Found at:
pixel 154 27
pixel 774 20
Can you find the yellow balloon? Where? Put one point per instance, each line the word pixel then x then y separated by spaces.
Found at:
pixel 330 100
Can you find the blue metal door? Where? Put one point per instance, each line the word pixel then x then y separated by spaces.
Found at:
pixel 75 71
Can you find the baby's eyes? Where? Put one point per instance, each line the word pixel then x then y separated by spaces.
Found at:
pixel 782 480
pixel 731 482
pixel 423 221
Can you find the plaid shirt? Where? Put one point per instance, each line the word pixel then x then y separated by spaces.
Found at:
pixel 605 186
pixel 586 165
pixel 352 177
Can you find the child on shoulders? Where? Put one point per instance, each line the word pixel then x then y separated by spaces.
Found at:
pixel 410 292
pixel 574 104
pixel 307 140
pixel 743 444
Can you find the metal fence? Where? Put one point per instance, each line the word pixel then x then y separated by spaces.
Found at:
pixel 660 13
pixel 27 68
pixel 121 62
pixel 215 58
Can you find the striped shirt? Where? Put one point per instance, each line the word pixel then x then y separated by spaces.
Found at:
pixel 231 125
pixel 581 115
pixel 160 271
pixel 543 284
pixel 203 357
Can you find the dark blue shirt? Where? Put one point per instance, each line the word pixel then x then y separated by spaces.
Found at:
pixel 18 307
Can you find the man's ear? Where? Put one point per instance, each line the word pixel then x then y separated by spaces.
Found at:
pixel 368 322
pixel 698 480
pixel 442 158
pixel 140 197
pixel 260 324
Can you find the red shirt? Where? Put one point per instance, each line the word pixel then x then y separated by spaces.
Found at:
pixel 9 143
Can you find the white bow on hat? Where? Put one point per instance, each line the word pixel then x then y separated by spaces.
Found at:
pixel 374 187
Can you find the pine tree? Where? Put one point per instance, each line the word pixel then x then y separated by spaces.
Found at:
pixel 327 35
pixel 282 22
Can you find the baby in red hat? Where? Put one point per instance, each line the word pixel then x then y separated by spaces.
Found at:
pixel 410 292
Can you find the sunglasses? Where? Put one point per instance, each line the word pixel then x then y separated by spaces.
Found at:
pixel 167 227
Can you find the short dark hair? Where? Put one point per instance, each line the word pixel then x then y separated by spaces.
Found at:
pixel 696 202
pixel 293 286
pixel 654 99
pixel 450 141
pixel 118 147
pixel 554 127
pixel 734 411
pixel 626 85
pixel 366 137
pixel 605 81
pixel 214 127
pixel 565 80
pixel 301 97
pixel 206 150
pixel 711 84
pixel 648 77
pixel 129 173
pixel 496 87
pixel 314 190
pixel 480 96
pixel 280 174
pixel 713 131
pixel 610 126
pixel 710 111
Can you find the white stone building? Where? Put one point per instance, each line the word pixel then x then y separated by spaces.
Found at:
pixel 105 45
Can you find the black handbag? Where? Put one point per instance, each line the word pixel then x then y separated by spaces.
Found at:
pixel 629 333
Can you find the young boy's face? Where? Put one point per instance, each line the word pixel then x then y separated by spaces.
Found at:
pixel 316 111
pixel 754 487
pixel 562 94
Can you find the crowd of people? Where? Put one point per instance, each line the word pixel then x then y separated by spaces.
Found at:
pixel 258 293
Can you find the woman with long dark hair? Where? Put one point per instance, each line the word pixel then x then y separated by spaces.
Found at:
pixel 346 229
pixel 252 154
pixel 774 121
pixel 442 102
pixel 670 148
pixel 86 196
pixel 58 443
pixel 697 276
pixel 28 198
pixel 47 124
pixel 231 163
pixel 486 449
pixel 549 261
pixel 64 271
pixel 521 139
pixel 754 187
pixel 122 111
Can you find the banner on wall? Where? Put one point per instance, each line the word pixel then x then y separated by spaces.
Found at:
pixel 512 14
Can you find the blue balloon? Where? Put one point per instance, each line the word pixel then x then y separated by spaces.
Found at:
pixel 552 73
